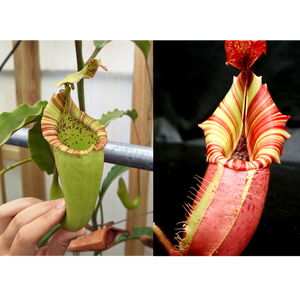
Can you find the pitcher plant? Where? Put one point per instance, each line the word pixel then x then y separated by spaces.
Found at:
pixel 78 146
pixel 243 136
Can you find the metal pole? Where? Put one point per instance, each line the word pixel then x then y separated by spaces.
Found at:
pixel 129 155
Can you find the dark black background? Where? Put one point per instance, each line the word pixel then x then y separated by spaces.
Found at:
pixel 190 80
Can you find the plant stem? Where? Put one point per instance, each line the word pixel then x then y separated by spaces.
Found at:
pixel 150 82
pixel 15 165
pixel 165 241
pixel 94 54
pixel 101 213
pixel 96 51
pixel 9 55
pixel 80 66
pixel 3 188
pixel 98 205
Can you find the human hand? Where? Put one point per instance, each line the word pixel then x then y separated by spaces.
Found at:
pixel 23 222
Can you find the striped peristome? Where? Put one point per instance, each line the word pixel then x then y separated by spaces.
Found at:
pixel 61 108
pixel 247 106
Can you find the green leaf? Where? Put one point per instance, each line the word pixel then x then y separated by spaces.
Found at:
pixel 137 232
pixel 132 114
pixel 124 197
pixel 114 172
pixel 40 149
pixel 88 71
pixel 48 235
pixel 110 116
pixel 144 46
pixel 24 114
pixel 100 44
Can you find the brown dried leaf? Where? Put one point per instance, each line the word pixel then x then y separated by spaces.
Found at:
pixel 100 239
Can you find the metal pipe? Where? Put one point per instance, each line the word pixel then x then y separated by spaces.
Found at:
pixel 129 155
pixel 19 138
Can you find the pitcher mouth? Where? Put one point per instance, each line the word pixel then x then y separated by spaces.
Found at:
pixel 248 112
pixel 69 129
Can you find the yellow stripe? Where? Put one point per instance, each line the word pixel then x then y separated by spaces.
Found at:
pixel 264 125
pixel 198 212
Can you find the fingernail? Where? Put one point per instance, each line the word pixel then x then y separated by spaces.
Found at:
pixel 61 204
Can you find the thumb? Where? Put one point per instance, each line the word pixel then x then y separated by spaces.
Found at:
pixel 61 240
